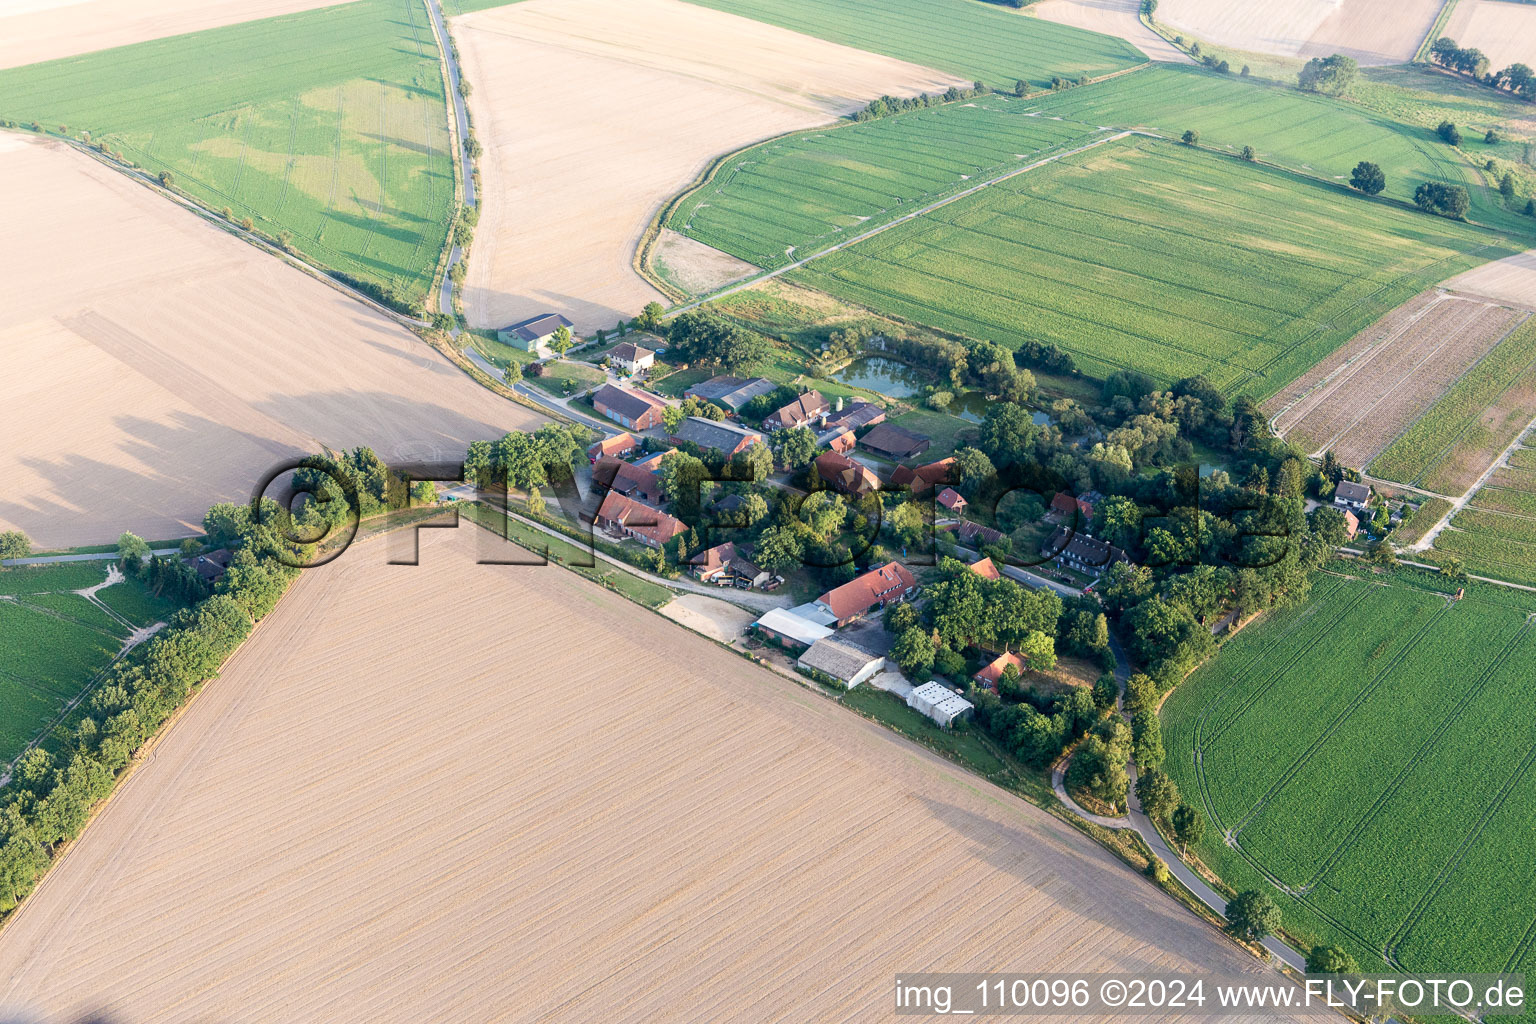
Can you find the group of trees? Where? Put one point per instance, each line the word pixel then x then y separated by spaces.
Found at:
pixel 1330 76
pixel 164 577
pixel 52 794
pixel 1517 78
pixel 1443 199
pixel 983 365
pixel 885 106
pixel 701 336
pixel 14 544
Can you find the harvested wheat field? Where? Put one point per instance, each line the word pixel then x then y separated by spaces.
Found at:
pixel 1503 29
pixel 1368 392
pixel 1511 279
pixel 1371 31
pixel 693 267
pixel 1112 18
pixel 374 815
pixel 588 134
pixel 38 30
pixel 156 365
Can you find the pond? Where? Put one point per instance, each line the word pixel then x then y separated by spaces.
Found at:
pixel 887 376
pixel 896 379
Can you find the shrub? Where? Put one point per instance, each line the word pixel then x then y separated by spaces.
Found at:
pixel 1190 137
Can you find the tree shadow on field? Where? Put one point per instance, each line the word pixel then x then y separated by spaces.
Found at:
pixel 1073 873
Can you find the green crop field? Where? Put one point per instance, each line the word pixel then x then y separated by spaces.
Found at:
pixel 56 641
pixel 813 189
pixel 1458 425
pixel 1363 758
pixel 963 37
pixel 327 126
pixel 809 190
pixel 1147 255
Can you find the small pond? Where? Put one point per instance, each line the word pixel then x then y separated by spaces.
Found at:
pixel 896 379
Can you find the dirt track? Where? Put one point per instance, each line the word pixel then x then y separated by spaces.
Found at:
pixel 587 134
pixel 376 815
pixel 156 365
pixel 38 30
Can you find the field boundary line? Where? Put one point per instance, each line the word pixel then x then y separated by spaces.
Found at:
pixel 1457 504
pixel 1440 456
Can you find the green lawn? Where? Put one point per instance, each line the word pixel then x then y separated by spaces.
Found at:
pixel 963 744
pixel 1147 255
pixel 328 125
pixel 558 371
pixel 1370 750
pixel 968 38
pixel 55 641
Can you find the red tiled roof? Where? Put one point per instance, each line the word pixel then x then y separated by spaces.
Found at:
pixel 860 595
pixel 614 445
pixel 640 518
pixel 804 408
pixel 985 569
pixel 989 675
pixel 714 559
pixel 951 499
pixel 921 478
pixel 842 442
pixel 846 475
pixel 627 478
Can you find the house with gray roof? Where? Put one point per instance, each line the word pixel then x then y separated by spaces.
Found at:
pixel 533 334
pixel 731 392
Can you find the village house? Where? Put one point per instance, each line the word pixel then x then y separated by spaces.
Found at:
pixel 951 499
pixel 848 664
pixel 727 438
pixel 533 334
pixel 1064 506
pixel 921 479
pixel 1079 551
pixel 629 518
pixel 1351 524
pixel 844 475
pixel 993 670
pixel 841 442
pixel 210 565
pixel 631 358
pixel 801 412
pixel 974 535
pixel 615 447
pixel 628 479
pixel 731 392
pixel 857 416
pixel 628 407
pixel 1352 496
pixel 877 588
pixel 894 442
pixel 939 703
pixel 723 566
pixel 985 568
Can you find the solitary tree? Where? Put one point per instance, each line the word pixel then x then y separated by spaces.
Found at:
pixel 914 651
pixel 513 373
pixel 650 317
pixel 14 544
pixel 1368 178
pixel 561 342
pixel 1491 138
pixel 1190 137
pixel 1249 154
pixel 1157 792
pixel 167 178
pixel 1330 960
pixel 1021 88
pixel 1331 76
pixel 1507 186
pixel 1252 915
pixel 1448 132
pixel 131 551
pixel 1188 826
pixel 1530 207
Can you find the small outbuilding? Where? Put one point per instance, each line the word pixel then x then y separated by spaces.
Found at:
pixel 533 334
pixel 788 630
pixel 939 703
pixel 848 664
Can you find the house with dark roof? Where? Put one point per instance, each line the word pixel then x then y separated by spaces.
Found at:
pixel 626 478
pixel 843 661
pixel 857 416
pixel 921 479
pixel 1072 549
pixel 628 518
pixel 894 442
pixel 731 392
pixel 631 358
pixel 1352 496
pixel 628 407
pixel 210 565
pixel 724 566
pixel 533 334
pixel 845 476
pixel 802 411
pixel 973 535
pixel 727 438
pixel 616 446
pixel 877 588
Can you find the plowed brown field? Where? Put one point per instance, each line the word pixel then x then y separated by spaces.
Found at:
pixel 538 802
pixel 156 365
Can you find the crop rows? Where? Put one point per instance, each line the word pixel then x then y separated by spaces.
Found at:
pixel 974 41
pixel 1411 776
pixel 1454 429
pixel 1146 256
pixel 1485 548
pixel 1503 499
pixel 329 126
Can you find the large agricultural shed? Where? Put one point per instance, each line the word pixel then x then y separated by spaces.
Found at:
pixel 362 806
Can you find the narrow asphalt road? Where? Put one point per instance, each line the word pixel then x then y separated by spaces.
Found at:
pixel 461 115
pixel 95 556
